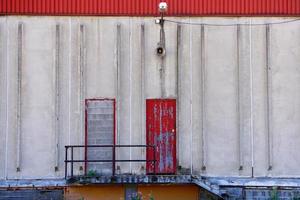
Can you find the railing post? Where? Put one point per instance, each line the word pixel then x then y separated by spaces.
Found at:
pixel 66 162
pixel 114 160
pixel 72 163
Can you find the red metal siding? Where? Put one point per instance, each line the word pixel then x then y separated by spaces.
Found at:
pixel 149 7
pixel 161 132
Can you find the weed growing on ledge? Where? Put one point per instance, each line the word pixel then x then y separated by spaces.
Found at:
pixel 139 196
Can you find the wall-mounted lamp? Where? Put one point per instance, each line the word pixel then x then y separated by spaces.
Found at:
pixel 161 50
pixel 163 7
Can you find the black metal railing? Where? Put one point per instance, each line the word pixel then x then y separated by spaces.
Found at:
pixel 70 150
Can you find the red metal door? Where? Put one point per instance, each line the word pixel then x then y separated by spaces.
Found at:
pixel 161 132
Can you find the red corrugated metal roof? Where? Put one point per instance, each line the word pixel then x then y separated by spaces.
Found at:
pixel 149 7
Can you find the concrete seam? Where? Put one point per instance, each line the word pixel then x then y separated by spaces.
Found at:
pixel 191 93
pixel 70 79
pixel 7 100
pixel 57 95
pixel 130 93
pixel 238 98
pixel 178 62
pixel 251 98
pixel 117 63
pixel 82 82
pixel 143 87
pixel 203 99
pixel 98 45
pixel 269 100
pixel 19 94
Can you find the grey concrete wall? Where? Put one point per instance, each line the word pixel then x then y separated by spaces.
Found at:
pixel 236 90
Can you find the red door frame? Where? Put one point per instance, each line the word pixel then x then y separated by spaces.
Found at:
pixel 149 155
pixel 86 129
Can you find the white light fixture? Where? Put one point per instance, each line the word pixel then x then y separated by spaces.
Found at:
pixel 163 7
pixel 157 21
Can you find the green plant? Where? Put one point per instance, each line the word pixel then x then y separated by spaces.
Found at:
pixel 274 194
pixel 137 196
pixel 92 173
pixel 151 197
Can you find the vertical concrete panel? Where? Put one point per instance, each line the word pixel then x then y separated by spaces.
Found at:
pixel 64 75
pixel 3 103
pixel 37 141
pixel 184 111
pixel 284 64
pixel 76 135
pixel 11 66
pixel 137 95
pixel 101 73
pixel 125 93
pixel 152 62
pixel 100 59
pixel 222 121
pixel 258 59
pixel 92 58
pixel 170 60
pixel 195 56
pixel 245 99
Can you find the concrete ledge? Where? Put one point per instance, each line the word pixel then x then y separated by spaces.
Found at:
pixel 32 183
pixel 131 179
pixel 254 182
